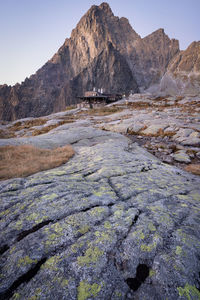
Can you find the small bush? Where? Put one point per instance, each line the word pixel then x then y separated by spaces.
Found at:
pixel 24 160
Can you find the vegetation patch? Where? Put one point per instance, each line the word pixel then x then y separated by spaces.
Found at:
pixel 139 105
pixel 70 107
pixel 193 168
pixel 48 128
pixel 104 111
pixel 24 160
pixel 27 124
pixel 6 134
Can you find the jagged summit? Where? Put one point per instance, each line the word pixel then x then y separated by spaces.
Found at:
pixel 55 85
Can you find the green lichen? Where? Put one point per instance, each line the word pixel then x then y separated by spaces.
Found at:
pixel 4 213
pixel 152 273
pixel 64 282
pixel 129 220
pixel 58 229
pixel 84 229
pixel 51 263
pixel 98 194
pixel 107 225
pixel 189 291
pixel 16 296
pixel 118 294
pixel 178 250
pixel 97 211
pixel 76 246
pixel 26 261
pixel 12 249
pixel 138 234
pixel 142 236
pixel 72 220
pixel 37 294
pixel 18 224
pixel 91 256
pixel 102 237
pixel 86 290
pixel 151 227
pixel 32 217
pixel 148 248
pixel 49 197
pixel 118 213
pixel 53 236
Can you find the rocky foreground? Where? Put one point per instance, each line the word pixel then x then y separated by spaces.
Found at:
pixel 114 222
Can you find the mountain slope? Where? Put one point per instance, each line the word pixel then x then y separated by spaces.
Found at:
pixel 75 67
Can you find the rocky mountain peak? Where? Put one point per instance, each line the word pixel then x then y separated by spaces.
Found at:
pixel 187 61
pixel 105 7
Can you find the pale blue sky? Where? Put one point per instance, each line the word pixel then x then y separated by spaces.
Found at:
pixel 31 31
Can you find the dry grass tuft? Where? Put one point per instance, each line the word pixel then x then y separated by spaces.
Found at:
pixel 50 127
pixel 139 105
pixel 70 107
pixel 193 168
pixel 20 125
pixel 24 160
pixel 5 134
pixel 27 124
pixel 104 111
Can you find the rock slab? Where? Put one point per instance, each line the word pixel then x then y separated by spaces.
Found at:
pixel 113 223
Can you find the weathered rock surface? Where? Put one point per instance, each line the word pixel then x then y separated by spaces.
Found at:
pixel 162 125
pixel 113 223
pixel 103 51
pixel 182 156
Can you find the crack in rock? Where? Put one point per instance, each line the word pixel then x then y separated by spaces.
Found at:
pixel 22 279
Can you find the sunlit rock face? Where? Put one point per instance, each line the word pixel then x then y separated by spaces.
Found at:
pixel 103 51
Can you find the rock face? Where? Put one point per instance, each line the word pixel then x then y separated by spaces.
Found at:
pixel 113 223
pixel 153 54
pixel 183 73
pixel 103 51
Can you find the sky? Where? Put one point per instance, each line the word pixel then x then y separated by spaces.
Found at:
pixel 31 31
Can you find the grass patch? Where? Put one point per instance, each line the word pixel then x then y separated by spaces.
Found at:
pixel 24 160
